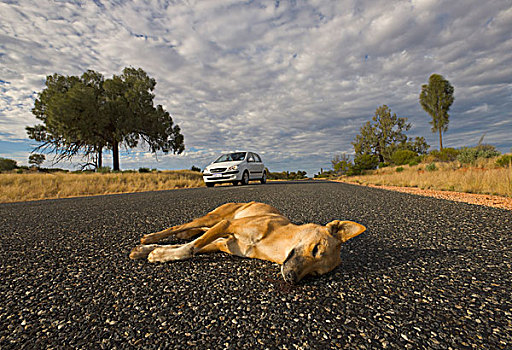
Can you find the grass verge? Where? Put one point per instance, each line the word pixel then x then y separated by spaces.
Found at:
pixel 484 177
pixel 34 186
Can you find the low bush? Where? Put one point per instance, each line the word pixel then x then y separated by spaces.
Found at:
pixel 144 170
pixel 504 161
pixel 445 155
pixel 7 164
pixel 366 162
pixel 399 169
pixel 431 167
pixel 469 155
pixel 403 156
pixel 104 170
pixel 413 163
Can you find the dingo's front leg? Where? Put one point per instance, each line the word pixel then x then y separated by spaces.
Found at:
pixel 185 251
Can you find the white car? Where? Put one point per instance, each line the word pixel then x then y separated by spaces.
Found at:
pixel 236 167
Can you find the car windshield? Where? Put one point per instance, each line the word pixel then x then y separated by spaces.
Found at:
pixel 230 157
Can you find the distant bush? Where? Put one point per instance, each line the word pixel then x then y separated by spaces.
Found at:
pixel 7 164
pixel 299 175
pixel 403 156
pixel 431 167
pixel 144 170
pixel 383 165
pixel 104 170
pixel 468 155
pixel 413 163
pixel 399 169
pixel 446 155
pixel 505 160
pixel 194 168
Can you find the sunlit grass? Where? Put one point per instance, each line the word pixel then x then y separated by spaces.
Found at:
pixel 34 186
pixel 483 177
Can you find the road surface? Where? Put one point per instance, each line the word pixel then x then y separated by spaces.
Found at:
pixel 427 273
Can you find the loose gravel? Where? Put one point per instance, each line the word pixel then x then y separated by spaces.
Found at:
pixel 427 274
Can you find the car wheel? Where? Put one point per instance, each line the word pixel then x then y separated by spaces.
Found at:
pixel 264 178
pixel 245 178
pixel 235 183
pixel 210 184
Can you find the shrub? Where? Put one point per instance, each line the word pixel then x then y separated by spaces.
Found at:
pixel 383 165
pixel 399 169
pixel 468 155
pixel 7 164
pixel 104 170
pixel 403 156
pixel 144 170
pixel 505 160
pixel 413 163
pixel 431 167
pixel 446 155
pixel 366 162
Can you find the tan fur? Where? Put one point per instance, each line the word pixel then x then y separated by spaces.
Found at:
pixel 255 230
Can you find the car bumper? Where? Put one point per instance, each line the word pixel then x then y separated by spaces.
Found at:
pixel 223 177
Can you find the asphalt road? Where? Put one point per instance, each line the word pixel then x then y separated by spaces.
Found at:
pixel 427 273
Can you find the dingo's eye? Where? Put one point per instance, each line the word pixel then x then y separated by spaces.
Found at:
pixel 315 250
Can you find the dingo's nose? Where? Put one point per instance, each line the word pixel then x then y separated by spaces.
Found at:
pixel 290 276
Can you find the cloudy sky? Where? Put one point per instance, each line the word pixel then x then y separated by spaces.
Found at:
pixel 292 80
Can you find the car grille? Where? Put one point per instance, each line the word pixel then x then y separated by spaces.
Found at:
pixel 217 170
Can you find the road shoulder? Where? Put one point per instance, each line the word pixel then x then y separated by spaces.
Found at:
pixel 472 198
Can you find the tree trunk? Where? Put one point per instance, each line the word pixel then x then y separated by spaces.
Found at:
pixel 440 140
pixel 115 155
pixel 100 157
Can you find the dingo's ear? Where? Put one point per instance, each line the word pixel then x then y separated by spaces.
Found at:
pixel 345 230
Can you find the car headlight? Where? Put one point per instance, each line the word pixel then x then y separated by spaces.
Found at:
pixel 233 167
pixel 206 171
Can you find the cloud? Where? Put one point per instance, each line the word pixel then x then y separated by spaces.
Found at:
pixel 293 80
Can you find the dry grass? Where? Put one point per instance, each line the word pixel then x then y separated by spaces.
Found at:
pixel 484 178
pixel 34 186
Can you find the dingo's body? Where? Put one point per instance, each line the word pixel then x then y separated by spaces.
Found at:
pixel 256 230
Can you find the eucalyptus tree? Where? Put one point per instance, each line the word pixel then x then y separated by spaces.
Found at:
pixel 83 115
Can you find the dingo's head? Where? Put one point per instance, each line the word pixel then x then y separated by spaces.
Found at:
pixel 318 250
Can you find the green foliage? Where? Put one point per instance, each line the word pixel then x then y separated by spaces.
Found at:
pixel 7 164
pixel 504 161
pixel 104 170
pixel 365 162
pixel 445 155
pixel 385 134
pixel 341 164
pixel 36 159
pixel 469 155
pixel 82 115
pixel 325 174
pixel 383 165
pixel 144 170
pixel 382 135
pixel 413 163
pixel 436 97
pixel 399 169
pixel 431 167
pixel 194 168
pixel 287 175
pixel 403 156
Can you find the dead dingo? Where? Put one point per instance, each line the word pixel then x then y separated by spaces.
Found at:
pixel 256 230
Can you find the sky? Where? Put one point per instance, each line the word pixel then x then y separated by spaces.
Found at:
pixel 291 80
